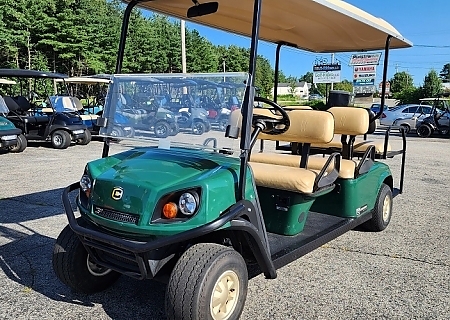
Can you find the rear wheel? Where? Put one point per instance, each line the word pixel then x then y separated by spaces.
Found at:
pixel 223 124
pixel 174 129
pixel 86 139
pixel 130 133
pixel 61 139
pixel 75 268
pixel 382 212
pixel 117 132
pixel 20 145
pixel 405 127
pixel 424 131
pixel 443 130
pixel 209 281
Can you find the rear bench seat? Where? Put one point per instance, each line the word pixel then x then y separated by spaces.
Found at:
pixel 307 126
pixel 344 117
pixel 348 121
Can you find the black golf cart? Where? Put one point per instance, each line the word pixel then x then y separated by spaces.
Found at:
pixel 137 103
pixel 40 121
pixel 178 95
pixel 438 121
pixel 204 217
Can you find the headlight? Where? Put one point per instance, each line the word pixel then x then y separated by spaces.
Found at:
pixel 168 115
pixel 86 184
pixel 187 204
pixel 181 205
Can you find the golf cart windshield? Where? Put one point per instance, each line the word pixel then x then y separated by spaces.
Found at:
pixel 145 109
pixel 3 108
pixel 62 104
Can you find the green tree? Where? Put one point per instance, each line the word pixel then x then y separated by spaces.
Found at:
pixel 445 73
pixel 432 85
pixel 401 81
pixel 344 85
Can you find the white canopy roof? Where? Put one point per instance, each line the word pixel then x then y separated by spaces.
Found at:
pixel 314 25
pixel 6 81
pixel 86 80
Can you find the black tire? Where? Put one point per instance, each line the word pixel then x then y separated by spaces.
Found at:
pixel 20 145
pixel 162 129
pixel 405 127
pixel 443 130
pixel 174 129
pixel 130 133
pixel 117 132
pixel 195 278
pixel 86 139
pixel 424 131
pixel 61 139
pixel 223 124
pixel 207 126
pixel 382 212
pixel 198 128
pixel 74 268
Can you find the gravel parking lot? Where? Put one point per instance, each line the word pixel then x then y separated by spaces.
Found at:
pixel 401 273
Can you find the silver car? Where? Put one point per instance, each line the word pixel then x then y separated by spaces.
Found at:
pixel 406 115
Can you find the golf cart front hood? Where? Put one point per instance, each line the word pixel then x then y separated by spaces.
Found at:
pixel 146 175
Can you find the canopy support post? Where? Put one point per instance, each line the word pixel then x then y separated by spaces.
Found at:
pixel 120 54
pixel 247 107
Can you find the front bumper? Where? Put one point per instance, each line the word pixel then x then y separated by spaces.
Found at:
pixel 8 138
pixel 138 259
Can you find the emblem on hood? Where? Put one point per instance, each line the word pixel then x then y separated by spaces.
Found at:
pixel 117 193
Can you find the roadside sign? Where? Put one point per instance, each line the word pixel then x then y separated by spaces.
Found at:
pixel 327 73
pixel 388 87
pixel 363 59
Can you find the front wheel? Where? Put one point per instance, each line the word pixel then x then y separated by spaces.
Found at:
pixel 20 145
pixel 61 139
pixel 424 131
pixel 86 139
pixel 162 129
pixel 198 128
pixel 209 281
pixel 76 269
pixel 383 211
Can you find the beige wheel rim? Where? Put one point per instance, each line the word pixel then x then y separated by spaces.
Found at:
pixel 386 208
pixel 224 296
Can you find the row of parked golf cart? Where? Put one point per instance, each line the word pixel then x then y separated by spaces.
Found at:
pixel 70 107
pixel 430 116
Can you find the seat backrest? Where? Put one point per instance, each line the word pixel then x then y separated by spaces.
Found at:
pixel 350 121
pixel 77 103
pixel 11 103
pixel 23 103
pixel 306 126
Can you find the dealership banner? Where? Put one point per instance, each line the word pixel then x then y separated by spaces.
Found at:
pixel 363 59
pixel 327 73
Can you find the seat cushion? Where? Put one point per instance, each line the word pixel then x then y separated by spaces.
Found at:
pixel 283 178
pixel 315 163
pixel 359 146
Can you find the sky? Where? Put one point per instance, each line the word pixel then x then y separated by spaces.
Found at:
pixel 425 23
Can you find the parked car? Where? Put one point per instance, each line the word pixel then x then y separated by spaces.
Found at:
pixel 376 107
pixel 406 111
pixel 315 97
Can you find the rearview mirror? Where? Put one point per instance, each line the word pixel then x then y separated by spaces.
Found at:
pixel 202 9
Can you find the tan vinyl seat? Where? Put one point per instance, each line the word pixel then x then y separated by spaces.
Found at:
pixel 351 121
pixel 316 163
pixel 307 126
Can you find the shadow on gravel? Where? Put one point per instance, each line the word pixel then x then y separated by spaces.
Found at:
pixel 27 260
pixel 31 206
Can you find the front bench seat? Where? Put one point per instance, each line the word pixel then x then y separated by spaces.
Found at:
pixel 307 126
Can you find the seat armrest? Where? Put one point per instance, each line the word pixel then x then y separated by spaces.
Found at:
pixel 326 177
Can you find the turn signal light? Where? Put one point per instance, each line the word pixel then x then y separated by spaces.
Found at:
pixel 170 210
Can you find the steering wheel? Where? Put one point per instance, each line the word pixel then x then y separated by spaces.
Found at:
pixel 273 123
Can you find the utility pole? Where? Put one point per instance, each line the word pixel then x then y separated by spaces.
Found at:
pixel 223 64
pixel 396 68
pixel 332 62
pixel 183 46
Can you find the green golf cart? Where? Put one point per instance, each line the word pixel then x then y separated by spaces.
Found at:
pixel 205 215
